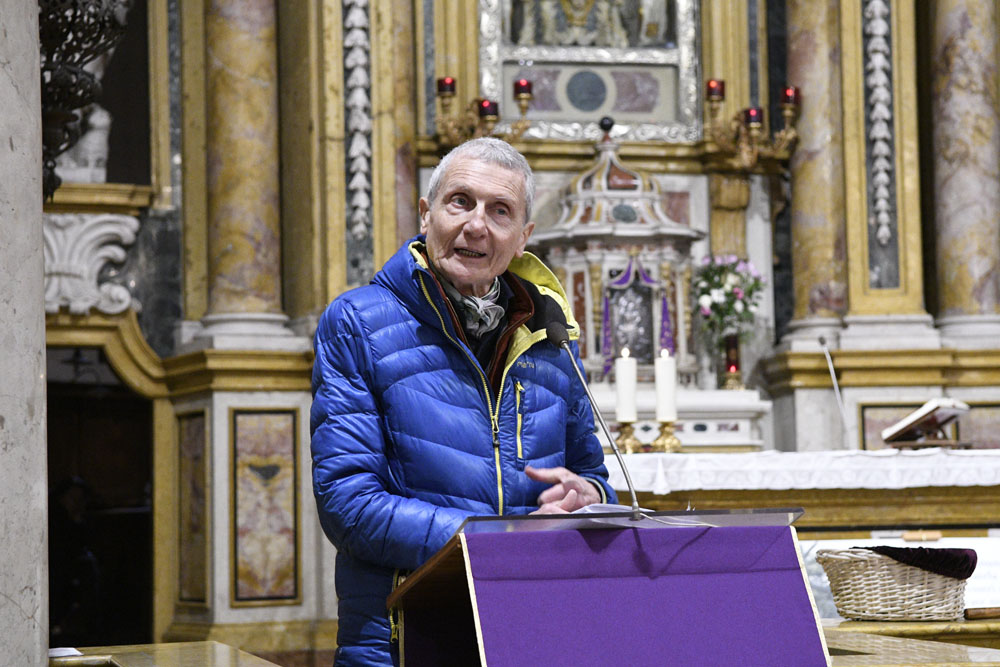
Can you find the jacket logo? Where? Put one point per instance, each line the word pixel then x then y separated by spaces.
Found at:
pixel 525 363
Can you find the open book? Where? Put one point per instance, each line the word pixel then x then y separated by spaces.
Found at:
pixel 926 421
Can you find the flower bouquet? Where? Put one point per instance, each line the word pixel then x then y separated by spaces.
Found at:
pixel 727 290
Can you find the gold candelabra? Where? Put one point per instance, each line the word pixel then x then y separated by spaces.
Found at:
pixel 666 441
pixel 626 440
pixel 480 117
pixel 742 140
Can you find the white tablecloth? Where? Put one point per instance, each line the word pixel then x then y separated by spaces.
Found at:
pixel 770 470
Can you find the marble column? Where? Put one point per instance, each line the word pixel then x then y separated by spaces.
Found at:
pixel 967 171
pixel 819 253
pixel 24 607
pixel 244 244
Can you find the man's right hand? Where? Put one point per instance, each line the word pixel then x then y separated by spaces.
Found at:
pixel 565 506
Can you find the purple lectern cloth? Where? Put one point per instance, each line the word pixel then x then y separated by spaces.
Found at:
pixel 671 596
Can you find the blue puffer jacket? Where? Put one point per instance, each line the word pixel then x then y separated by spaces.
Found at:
pixel 407 440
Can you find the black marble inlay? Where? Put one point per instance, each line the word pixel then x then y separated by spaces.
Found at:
pixel 624 213
pixel 777 60
pixel 176 110
pixel 781 277
pixel 586 90
pixel 152 274
pixel 777 69
pixel 153 265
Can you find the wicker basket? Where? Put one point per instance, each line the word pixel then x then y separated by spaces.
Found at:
pixel 868 586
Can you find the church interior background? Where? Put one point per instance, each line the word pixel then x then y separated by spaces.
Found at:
pixel 249 160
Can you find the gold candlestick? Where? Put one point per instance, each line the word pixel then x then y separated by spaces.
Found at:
pixel 666 441
pixel 626 440
pixel 733 381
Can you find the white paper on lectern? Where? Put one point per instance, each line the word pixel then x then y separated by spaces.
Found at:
pixel 63 652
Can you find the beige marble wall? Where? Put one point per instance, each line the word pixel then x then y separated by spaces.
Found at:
pixel 819 254
pixel 244 249
pixel 966 156
pixel 24 609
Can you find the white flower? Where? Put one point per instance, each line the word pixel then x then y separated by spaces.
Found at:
pixel 727 288
pixel 718 296
pixel 732 279
pixel 738 306
pixel 705 301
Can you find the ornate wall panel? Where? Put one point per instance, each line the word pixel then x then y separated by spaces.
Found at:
pixel 265 544
pixel 880 146
pixel 637 64
pixel 193 586
pixel 881 160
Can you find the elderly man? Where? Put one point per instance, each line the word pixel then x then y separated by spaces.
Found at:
pixel 436 395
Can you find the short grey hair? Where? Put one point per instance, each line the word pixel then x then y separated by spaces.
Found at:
pixel 492 151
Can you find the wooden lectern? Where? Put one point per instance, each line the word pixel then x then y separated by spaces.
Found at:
pixel 924 427
pixel 677 588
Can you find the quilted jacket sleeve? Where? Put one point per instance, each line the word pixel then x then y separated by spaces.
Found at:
pixel 351 477
pixel 584 455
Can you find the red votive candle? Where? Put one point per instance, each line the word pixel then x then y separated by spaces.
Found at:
pixel 732 353
pixel 792 96
pixel 715 90
pixel 753 116
pixel 522 87
pixel 488 108
pixel 446 84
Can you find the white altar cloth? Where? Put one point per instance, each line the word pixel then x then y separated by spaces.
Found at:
pixel 840 469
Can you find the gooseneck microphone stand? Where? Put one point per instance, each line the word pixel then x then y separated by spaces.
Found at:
pixel 557 335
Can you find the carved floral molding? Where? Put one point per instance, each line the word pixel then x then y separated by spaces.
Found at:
pixel 77 247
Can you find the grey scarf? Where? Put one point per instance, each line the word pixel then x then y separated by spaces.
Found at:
pixel 479 314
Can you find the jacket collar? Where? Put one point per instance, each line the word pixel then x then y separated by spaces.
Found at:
pixel 407 275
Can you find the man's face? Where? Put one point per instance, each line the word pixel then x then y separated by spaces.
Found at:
pixel 476 225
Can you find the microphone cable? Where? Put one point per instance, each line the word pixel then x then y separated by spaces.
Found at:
pixel 836 385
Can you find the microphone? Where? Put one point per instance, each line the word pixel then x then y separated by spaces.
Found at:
pixel 558 336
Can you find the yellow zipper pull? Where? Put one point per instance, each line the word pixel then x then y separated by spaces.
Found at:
pixel 394 612
pixel 394 626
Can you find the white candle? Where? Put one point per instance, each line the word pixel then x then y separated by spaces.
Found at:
pixel 626 369
pixel 665 372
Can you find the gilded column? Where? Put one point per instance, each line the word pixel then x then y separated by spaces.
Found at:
pixel 817 167
pixel 244 248
pixel 966 171
pixel 730 195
